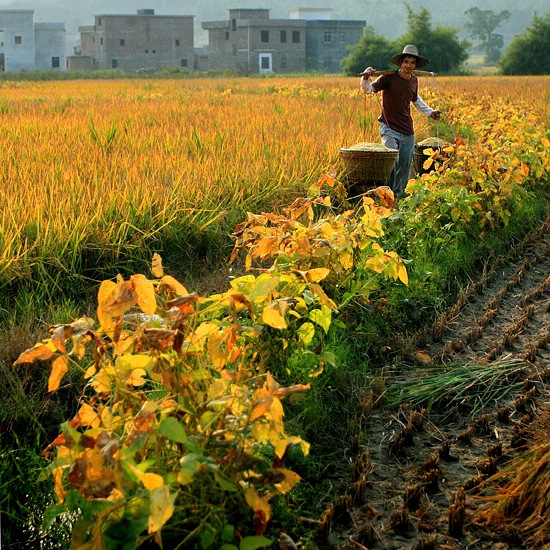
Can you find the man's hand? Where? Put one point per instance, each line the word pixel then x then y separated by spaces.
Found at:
pixel 436 115
pixel 368 72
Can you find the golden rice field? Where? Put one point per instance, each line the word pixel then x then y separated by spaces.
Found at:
pixel 107 171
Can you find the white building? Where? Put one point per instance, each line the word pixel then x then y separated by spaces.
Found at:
pixel 25 46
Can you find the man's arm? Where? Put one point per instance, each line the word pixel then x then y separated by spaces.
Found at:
pixel 425 110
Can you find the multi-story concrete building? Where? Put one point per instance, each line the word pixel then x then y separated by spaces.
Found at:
pixel 50 46
pixel 250 42
pixel 17 52
pixel 26 46
pixel 327 40
pixel 139 41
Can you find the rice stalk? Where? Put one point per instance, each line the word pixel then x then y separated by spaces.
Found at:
pixel 475 385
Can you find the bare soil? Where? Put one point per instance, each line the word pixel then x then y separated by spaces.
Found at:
pixel 410 464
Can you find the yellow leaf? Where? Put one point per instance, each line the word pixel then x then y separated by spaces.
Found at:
pixel 162 508
pixel 290 480
pixel 258 503
pixel 156 269
pixel 174 285
pixel 317 274
pixel 87 416
pixel 105 319
pixel 306 333
pixel 136 378
pixel 346 260
pixel 145 294
pixel 274 314
pixel 59 368
pixel 322 317
pixel 320 293
pixel 57 474
pixel 150 481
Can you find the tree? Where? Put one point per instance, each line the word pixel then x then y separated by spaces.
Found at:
pixel 440 45
pixel 528 51
pixel 481 25
pixel 372 50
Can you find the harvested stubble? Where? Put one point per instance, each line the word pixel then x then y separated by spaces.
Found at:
pixel 521 504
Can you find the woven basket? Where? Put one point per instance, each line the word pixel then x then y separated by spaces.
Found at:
pixel 368 163
pixel 419 156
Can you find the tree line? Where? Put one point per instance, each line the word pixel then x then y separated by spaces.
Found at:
pixel 526 54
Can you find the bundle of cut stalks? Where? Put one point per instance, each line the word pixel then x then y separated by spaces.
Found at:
pixel 520 505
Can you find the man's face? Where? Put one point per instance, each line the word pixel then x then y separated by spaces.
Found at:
pixel 408 65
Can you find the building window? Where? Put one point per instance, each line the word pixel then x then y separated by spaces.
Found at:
pixel 296 37
pixel 342 38
pixel 18 40
pixel 264 62
pixel 99 21
pixel 177 42
pixel 233 24
pixel 227 35
pixel 122 41
pixel 327 37
pixel 114 63
pixel 183 63
pixel 264 36
pixel 234 49
pixel 283 36
pixel 55 63
pixel 283 61
pixel 101 41
pixel 146 51
pixel 153 51
pixel 327 62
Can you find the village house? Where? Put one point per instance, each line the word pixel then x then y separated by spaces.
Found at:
pixel 250 42
pixel 139 41
pixel 26 46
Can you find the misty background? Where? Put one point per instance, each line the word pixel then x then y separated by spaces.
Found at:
pixel 386 17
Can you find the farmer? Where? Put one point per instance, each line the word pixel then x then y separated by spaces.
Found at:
pixel 396 124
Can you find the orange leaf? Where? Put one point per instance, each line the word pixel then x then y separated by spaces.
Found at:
pixel 59 368
pixel 40 352
pixel 261 408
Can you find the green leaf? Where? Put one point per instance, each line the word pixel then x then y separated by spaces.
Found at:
pixel 251 543
pixel 329 357
pixel 52 512
pixel 173 430
pixel 228 533
pixel 306 333
pixel 225 483
pixel 265 285
pixel 208 536
pixel 322 317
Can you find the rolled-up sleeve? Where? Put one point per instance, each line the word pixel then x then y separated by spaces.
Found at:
pixel 422 107
pixel 366 85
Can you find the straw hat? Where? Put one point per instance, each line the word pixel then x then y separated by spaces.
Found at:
pixel 409 49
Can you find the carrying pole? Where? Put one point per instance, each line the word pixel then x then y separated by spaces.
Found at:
pixel 391 71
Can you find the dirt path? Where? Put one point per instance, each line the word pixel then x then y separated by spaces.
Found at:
pixel 410 465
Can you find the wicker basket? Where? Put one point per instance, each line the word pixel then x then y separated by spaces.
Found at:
pixel 368 163
pixel 419 155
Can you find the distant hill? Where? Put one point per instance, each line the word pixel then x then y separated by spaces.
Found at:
pixel 387 18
